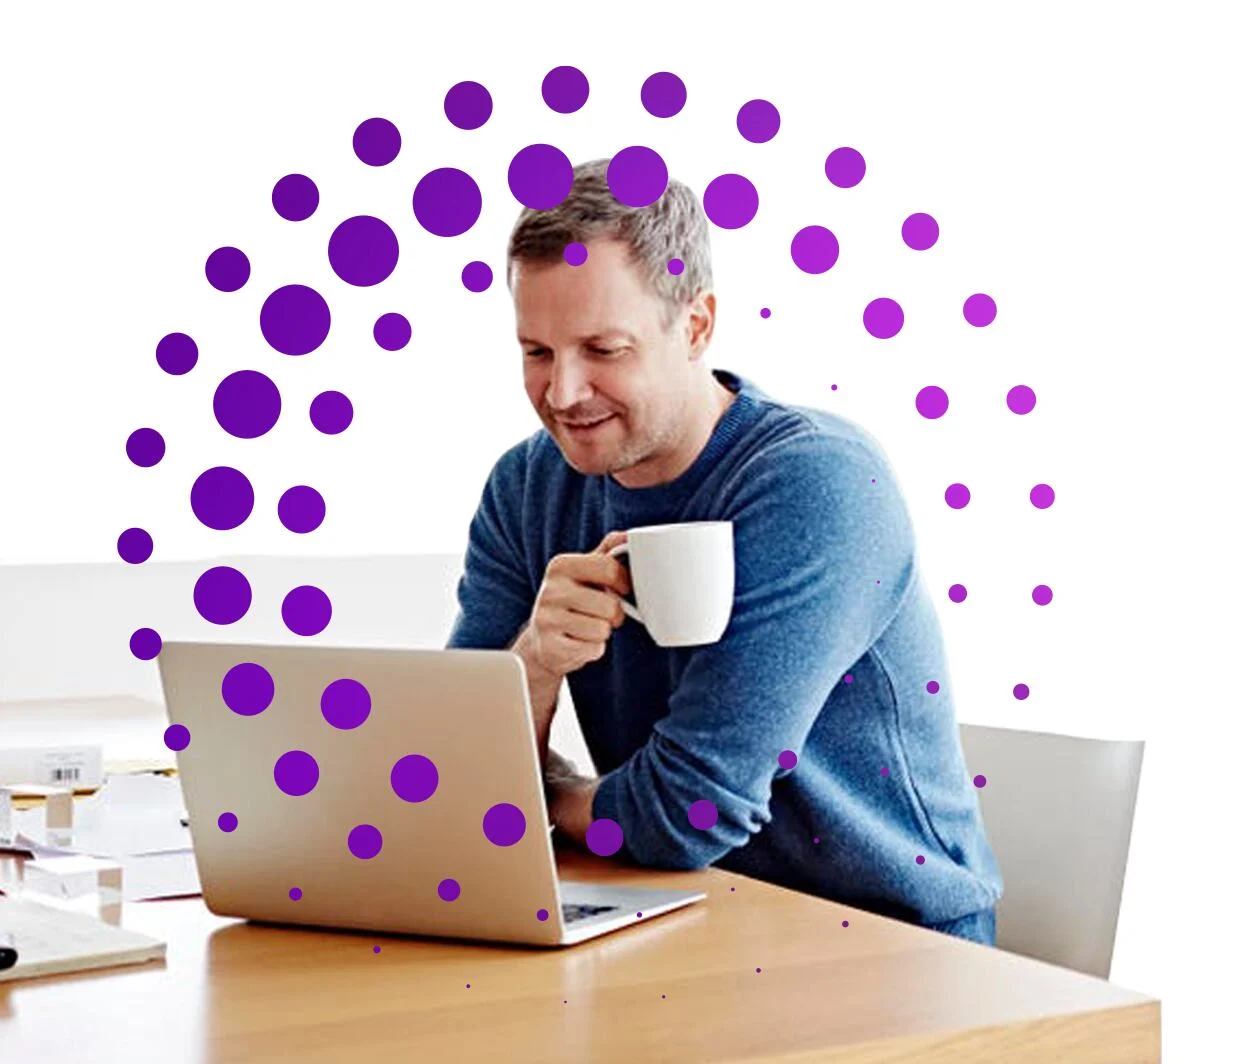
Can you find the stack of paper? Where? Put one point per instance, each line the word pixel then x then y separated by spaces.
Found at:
pixel 51 940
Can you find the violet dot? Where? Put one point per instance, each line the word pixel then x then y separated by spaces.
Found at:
pixel 364 841
pixel 883 318
pixel 135 545
pixel 787 759
pixel 758 971
pixel 446 202
pixel 503 824
pixel 468 986
pixel 703 814
pixel 296 773
pixel 247 404
pixel 675 266
pixel 145 644
pixel 979 310
pixel 765 312
pixel 637 176
pixel 919 859
pixel 845 167
pixel 980 781
pixel 1042 496
pixel 957 593
pixel 884 771
pixel 345 704
pixel 844 923
pixel 815 840
pixel 227 821
pixel 604 837
pixel 377 141
pixel 222 595
pixel 932 401
pixel 392 332
pixel 730 201
pixel 565 89
pixel 306 610
pixel 957 496
pixel 575 254
pixel 1042 595
pixel 468 105
pixel 920 231
pixel 295 197
pixel 145 447
pixel 848 678
pixel 176 737
pixel 295 319
pixel 638 914
pixel 448 889
pixel 663 94
pixel 933 687
pixel 247 688
pixel 540 176
pixel 543 914
pixel 834 387
pixel 758 121
pixel 301 509
pixel 222 498
pixel 227 269
pixel 176 353
pixel 295 893
pixel 363 251
pixel 1021 399
pixel 1020 691
pixel 376 949
pixel 414 778
pixel 331 412
pixel 477 276
pixel 815 249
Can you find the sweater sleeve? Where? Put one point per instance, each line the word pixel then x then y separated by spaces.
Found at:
pixel 823 560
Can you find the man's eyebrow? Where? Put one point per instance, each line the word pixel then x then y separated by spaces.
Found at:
pixel 606 334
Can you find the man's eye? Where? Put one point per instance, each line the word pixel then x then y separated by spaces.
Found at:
pixel 536 351
pixel 601 350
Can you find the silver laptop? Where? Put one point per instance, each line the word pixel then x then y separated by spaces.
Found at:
pixel 305 811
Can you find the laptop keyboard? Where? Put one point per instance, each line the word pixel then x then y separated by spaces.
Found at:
pixel 573 913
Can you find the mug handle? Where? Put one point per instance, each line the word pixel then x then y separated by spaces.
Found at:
pixel 617 552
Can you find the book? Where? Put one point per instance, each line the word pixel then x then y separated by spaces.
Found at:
pixel 51 940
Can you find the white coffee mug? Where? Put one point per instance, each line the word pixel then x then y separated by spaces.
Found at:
pixel 684 580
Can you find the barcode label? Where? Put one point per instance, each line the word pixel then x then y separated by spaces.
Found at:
pixel 63 774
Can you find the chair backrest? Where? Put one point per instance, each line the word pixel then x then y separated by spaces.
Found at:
pixel 1058 811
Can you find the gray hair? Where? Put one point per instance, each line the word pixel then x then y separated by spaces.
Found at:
pixel 674 226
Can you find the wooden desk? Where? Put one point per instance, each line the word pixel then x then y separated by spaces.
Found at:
pixel 683 987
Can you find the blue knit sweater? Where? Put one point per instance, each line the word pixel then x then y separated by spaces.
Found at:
pixel 831 646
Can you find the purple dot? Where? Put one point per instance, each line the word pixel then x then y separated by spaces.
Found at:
pixel 414 778
pixel 637 176
pixel 468 986
pixel 295 319
pixel 730 201
pixel 301 509
pixel 663 94
pixel 227 269
pixel 331 412
pixel 468 105
pixel 979 781
pixel 247 688
pixel 979 310
pixel 815 249
pixel 884 771
pixel 920 231
pixel 932 687
pixel 296 773
pixel 543 914
pixel 247 404
pixel 957 495
pixel 957 593
pixel 675 266
pixel 364 841
pixel 503 824
pixel 392 332
pixel 363 251
pixel 575 254
pixel 931 402
pixel 176 353
pixel 815 840
pixel 765 312
pixel 565 89
pixel 376 949
pixel 848 678
pixel 477 276
pixel 295 893
pixel 540 176
pixel 306 610
pixel 222 595
pixel 446 202
pixel 787 759
pixel 145 644
pixel 222 498
pixel 883 318
pixel 145 447
pixel 1021 399
pixel 844 923
pixel 604 837
pixel 176 737
pixel 135 545
pixel 448 889
pixel 345 703
pixel 227 821
pixel 638 914
pixel 702 814
pixel 295 197
pixel 919 859
pixel 758 121
pixel 1042 595
pixel 834 387
pixel 845 167
pixel 1042 496
pixel 377 141
pixel 1020 691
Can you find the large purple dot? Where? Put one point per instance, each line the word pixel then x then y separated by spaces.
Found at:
pixel 377 141
pixel 296 773
pixel 392 332
pixel 1021 399
pixel 228 822
pixel 363 251
pixel 227 269
pixel 758 121
pixel 957 593
pixel 575 254
pixel 883 318
pixel 247 688
pixel 468 105
pixel 222 595
pixel 345 703
pixel 176 737
pixel 920 231
pixel 145 447
pixel 295 197
pixel 565 89
pixel 331 412
pixel 295 893
pixel 1042 496
pixel 1042 595
pixel 135 545
pixel 222 498
pixel 845 167
pixel 980 310
pixel 145 644
pixel 702 813
pixel 247 404
pixel 815 249
pixel 1020 691
pixel 663 94
pixel 176 353
pixel 446 202
pixel 604 837
pixel 932 401
pixel 364 841
pixel 477 276
pixel 448 889
pixel 306 610
pixel 540 176
pixel 787 759
pixel 730 201
pixel 932 687
pixel 295 319
pixel 503 824
pixel 301 509
pixel 637 176
pixel 414 778
pixel 957 495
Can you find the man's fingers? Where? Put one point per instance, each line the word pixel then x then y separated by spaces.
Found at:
pixel 613 539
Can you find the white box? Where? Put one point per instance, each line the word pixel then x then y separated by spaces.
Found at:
pixel 75 767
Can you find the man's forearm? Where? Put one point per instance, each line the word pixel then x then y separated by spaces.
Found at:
pixel 544 693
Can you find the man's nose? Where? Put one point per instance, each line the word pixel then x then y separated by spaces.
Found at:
pixel 569 384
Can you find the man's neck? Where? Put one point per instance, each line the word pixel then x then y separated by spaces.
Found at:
pixel 716 399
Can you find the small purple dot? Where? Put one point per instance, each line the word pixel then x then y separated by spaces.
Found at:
pixel 306 610
pixel 331 412
pixel 565 89
pixel 296 773
pixel 295 893
pixel 638 914
pixel 414 778
pixel 295 197
pixel 543 914
pixel 920 231
pixel 176 737
pixel 919 860
pixel 957 496
pixel 227 269
pixel 503 824
pixel 703 814
pixel 468 986
pixel 468 105
pixel 845 167
pixel 247 688
pixel 364 841
pixel 757 121
pixel 765 312
pixel 145 644
pixel 575 254
pixel 848 677
pixel 604 837
pixel 957 593
pixel 145 447
pixel 663 94
pixel 833 387
pixel 815 840
pixel 176 353
pixel 448 889
pixel 227 821
pixel 675 266
pixel 392 332
pixel 301 509
pixel 1021 399
pixel 844 923
pixel 1042 496
pixel 1042 595
pixel 732 890
pixel 135 546
pixel 932 401
pixel 979 781
pixel 758 971
pixel 477 276
pixel 345 704
pixel 884 771
pixel 1020 691
pixel 377 141
pixel 979 310
pixel 933 687
pixel 376 949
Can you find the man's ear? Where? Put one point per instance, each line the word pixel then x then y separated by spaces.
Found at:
pixel 701 320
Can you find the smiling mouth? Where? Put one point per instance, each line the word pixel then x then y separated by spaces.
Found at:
pixel 586 426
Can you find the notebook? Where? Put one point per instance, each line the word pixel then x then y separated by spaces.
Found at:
pixel 51 940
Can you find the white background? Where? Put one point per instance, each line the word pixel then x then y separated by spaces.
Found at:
pixel 1091 166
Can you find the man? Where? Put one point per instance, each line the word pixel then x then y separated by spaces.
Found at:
pixel 832 643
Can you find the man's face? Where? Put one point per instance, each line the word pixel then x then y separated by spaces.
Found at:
pixel 609 383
